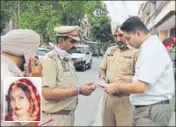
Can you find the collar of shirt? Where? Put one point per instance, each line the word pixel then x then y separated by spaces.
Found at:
pixel 130 47
pixel 12 66
pixel 127 48
pixel 149 40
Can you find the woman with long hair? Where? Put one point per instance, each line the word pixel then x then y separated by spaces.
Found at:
pixel 23 101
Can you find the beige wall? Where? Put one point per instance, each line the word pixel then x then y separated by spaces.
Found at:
pixel 143 16
pixel 165 11
pixel 163 34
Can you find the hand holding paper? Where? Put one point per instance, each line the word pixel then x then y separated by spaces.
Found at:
pixel 100 83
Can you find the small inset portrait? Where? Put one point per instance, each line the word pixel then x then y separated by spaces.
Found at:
pixel 22 99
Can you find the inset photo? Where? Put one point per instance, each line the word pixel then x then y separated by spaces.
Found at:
pixel 22 99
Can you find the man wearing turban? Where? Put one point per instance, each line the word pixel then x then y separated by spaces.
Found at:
pixel 14 45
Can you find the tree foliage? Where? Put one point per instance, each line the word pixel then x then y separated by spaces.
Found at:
pixel 43 16
pixel 100 21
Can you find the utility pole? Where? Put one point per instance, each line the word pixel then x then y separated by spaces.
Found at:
pixel 16 14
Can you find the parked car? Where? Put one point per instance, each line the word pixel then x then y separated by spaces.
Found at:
pixel 40 54
pixel 97 53
pixel 82 57
pixel 41 51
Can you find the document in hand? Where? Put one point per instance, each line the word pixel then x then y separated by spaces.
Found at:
pixel 100 83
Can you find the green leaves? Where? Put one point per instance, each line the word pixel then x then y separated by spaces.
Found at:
pixel 100 21
pixel 43 16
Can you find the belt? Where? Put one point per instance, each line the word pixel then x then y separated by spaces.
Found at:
pixel 61 112
pixel 161 102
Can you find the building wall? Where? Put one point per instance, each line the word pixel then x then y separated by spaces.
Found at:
pixel 163 34
pixel 172 32
pixel 159 10
pixel 170 6
pixel 158 3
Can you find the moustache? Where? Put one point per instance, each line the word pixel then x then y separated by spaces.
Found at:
pixel 120 43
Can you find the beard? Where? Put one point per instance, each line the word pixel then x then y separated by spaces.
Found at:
pixel 121 45
pixel 21 67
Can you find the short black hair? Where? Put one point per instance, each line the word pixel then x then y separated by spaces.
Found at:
pixel 132 24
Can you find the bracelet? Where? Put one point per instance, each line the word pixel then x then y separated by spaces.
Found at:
pixel 119 87
pixel 78 90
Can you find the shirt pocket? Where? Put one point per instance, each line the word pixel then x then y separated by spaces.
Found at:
pixel 65 79
pixel 127 64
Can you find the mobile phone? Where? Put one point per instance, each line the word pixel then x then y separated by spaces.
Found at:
pixel 29 64
pixel 27 57
pixel 28 54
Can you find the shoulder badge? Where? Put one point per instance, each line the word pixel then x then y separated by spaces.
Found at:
pixel 111 50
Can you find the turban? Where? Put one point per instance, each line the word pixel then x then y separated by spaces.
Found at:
pixel 18 41
pixel 168 42
pixel 114 26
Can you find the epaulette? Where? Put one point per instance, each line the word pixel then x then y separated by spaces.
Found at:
pixel 111 49
pixel 52 54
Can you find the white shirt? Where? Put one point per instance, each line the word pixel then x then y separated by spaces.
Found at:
pixel 154 67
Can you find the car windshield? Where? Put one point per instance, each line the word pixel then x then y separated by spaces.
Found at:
pixel 78 50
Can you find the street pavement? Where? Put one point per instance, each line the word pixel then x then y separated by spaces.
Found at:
pixel 88 112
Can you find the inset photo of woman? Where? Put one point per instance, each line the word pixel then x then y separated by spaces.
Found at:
pixel 22 99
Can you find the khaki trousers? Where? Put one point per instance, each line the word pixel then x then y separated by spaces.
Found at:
pixel 57 120
pixel 153 115
pixel 117 111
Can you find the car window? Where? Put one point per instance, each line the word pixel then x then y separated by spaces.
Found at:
pixel 41 52
pixel 78 50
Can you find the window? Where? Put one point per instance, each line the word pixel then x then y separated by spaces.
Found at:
pixel 172 32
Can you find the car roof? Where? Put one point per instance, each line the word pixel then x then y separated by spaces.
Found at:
pixel 43 49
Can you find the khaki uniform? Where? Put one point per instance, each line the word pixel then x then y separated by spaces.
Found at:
pixel 119 67
pixel 58 73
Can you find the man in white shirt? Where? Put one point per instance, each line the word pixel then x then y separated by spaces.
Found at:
pixel 153 83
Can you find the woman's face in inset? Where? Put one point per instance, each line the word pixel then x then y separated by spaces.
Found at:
pixel 19 102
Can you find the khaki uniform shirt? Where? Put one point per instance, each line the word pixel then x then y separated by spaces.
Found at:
pixel 8 69
pixel 119 64
pixel 59 73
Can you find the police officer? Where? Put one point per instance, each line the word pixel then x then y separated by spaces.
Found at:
pixel 14 44
pixel 118 67
pixel 153 84
pixel 60 85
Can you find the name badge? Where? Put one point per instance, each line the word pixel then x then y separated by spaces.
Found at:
pixel 66 70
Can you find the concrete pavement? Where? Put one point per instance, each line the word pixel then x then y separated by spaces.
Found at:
pixel 89 109
pixel 88 105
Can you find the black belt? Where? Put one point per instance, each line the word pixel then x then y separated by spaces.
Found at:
pixel 161 102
